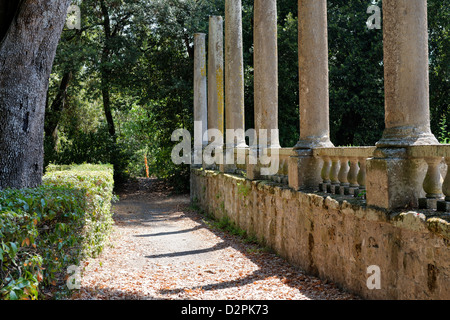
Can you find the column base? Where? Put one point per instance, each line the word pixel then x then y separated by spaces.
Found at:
pixel 257 170
pixel 305 170
pixel 399 137
pixel 313 142
pixel 393 180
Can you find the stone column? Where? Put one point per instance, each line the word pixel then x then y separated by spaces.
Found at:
pixel 265 80
pixel 405 40
pixel 234 72
pixel 266 69
pixel 200 97
pixel 305 169
pixel 313 74
pixel 216 87
pixel 215 70
pixel 394 180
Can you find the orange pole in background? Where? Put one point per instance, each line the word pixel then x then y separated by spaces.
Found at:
pixel 146 166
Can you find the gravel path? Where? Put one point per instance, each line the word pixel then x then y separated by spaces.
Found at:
pixel 161 249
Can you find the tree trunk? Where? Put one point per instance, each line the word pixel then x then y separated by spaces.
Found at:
pixel 28 42
pixel 54 111
pixel 105 72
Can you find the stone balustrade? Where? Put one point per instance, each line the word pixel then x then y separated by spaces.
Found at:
pixel 344 169
pixel 243 166
pixel 436 184
pixel 284 154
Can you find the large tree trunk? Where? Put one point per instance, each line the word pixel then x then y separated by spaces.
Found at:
pixel 28 41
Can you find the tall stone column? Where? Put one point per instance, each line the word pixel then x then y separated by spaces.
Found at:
pixel 265 82
pixel 234 72
pixel 406 77
pixel 304 169
pixel 313 74
pixel 216 135
pixel 215 71
pixel 393 179
pixel 266 69
pixel 200 97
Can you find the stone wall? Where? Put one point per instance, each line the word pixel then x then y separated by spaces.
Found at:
pixel 335 239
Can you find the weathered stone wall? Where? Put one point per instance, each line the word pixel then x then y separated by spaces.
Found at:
pixel 335 240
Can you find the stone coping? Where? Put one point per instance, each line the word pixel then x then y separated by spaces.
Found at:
pixel 351 152
pixel 421 220
pixel 441 150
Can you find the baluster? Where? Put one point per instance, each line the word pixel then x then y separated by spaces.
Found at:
pixel 444 205
pixel 343 175
pixel 334 175
pixel 325 174
pixel 432 184
pixel 362 176
pixel 353 177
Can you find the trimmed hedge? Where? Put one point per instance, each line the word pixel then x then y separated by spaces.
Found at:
pixel 44 230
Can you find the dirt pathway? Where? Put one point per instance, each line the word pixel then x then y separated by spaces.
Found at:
pixel 161 249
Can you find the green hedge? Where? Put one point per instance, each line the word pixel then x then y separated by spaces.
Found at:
pixel 44 230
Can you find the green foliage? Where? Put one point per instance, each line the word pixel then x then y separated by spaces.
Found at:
pixel 439 40
pixel 356 75
pixel 225 224
pixel 46 229
pixel 95 147
pixel 243 189
pixel 444 133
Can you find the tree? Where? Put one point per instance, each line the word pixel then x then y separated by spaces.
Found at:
pixel 29 35
pixel 356 75
pixel 439 29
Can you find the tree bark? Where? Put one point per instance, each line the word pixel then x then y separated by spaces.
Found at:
pixel 28 42
pixel 105 72
pixel 54 111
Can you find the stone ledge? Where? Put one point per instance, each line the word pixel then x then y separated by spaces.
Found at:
pixel 409 220
pixel 440 150
pixel 350 152
pixel 439 227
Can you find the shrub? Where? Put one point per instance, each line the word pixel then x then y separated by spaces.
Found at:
pixel 44 230
pixel 92 147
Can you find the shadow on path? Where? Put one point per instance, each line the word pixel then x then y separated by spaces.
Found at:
pixel 166 216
